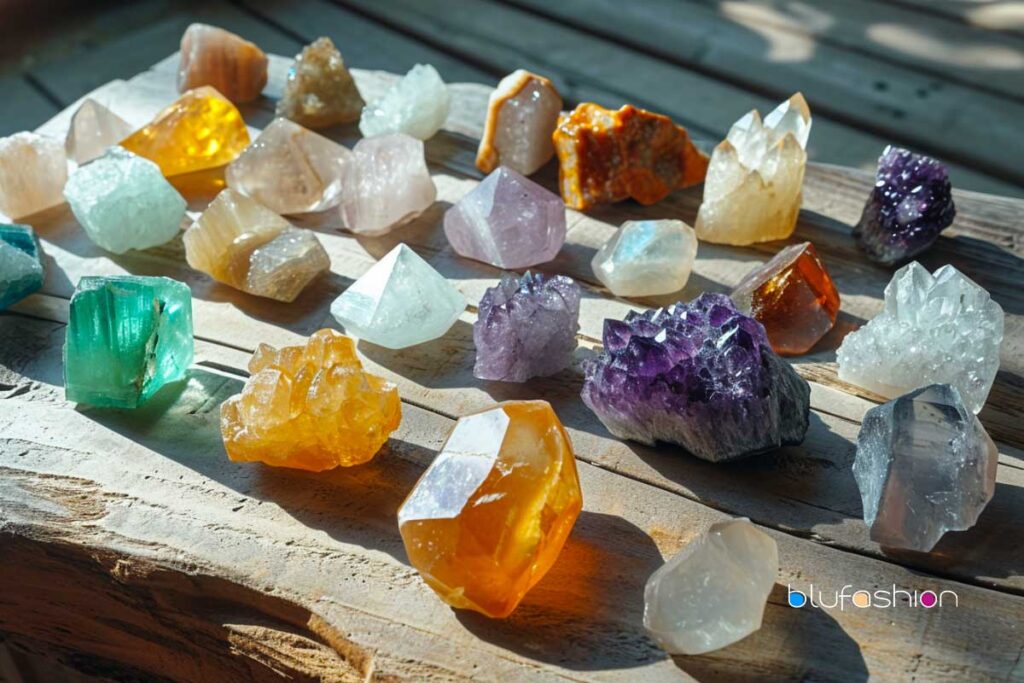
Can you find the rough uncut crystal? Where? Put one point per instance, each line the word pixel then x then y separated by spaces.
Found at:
pixel 521 117
pixel 33 170
pixel 385 184
pixel 400 301
pixel 645 258
pixel 93 129
pixel 753 188
pixel 698 374
pixel 215 57
pixel 320 91
pixel 311 407
pixel 713 592
pixel 490 515
pixel 127 336
pixel 608 156
pixel 508 221
pixel 911 203
pixel 526 327
pixel 290 169
pixel 21 263
pixel 793 296
pixel 123 202
pixel 416 105
pixel 201 130
pixel 935 329
pixel 924 466
pixel 249 247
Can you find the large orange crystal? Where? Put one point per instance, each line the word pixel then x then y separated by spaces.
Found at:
pixel 608 156
pixel 201 130
pixel 311 407
pixel 793 296
pixel 488 518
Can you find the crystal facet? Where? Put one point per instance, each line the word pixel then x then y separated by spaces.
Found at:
pixel 645 258
pixel 698 374
pixel 526 327
pixel 416 105
pixel 311 407
pixel 508 221
pixel 935 329
pixel 215 57
pixel 93 129
pixel 127 336
pixel 400 301
pixel 490 515
pixel 320 92
pixel 21 263
pixel 521 117
pixel 924 466
pixel 33 170
pixel 754 184
pixel 713 592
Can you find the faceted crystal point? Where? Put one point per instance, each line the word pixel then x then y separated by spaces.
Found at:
pixel 320 91
pixel 490 515
pixel 218 58
pixel 201 130
pixel 385 184
pixel 416 105
pixel 911 203
pixel 400 301
pixel 33 170
pixel 127 336
pixel 924 466
pixel 123 202
pixel 794 298
pixel 508 221
pixel 93 129
pixel 645 258
pixel 753 188
pixel 526 327
pixel 21 264
pixel 290 169
pixel 608 156
pixel 249 247
pixel 311 407
pixel 521 117
pixel 940 328
pixel 713 592
pixel 698 374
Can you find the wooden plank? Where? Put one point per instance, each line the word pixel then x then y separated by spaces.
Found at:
pixel 23 106
pixel 994 15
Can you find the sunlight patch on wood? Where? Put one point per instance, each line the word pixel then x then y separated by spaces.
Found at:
pixel 912 41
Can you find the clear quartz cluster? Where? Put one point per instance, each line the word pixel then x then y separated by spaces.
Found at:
pixel 522 114
pixel 33 170
pixel 21 264
pixel 416 105
pixel 93 129
pixel 646 258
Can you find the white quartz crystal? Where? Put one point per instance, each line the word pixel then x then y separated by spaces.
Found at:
pixel 645 258
pixel 33 170
pixel 521 117
pixel 94 128
pixel 416 105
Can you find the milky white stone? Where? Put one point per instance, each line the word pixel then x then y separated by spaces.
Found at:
pixel 645 258
pixel 935 329
pixel 416 105
pixel 713 592
pixel 400 301
pixel 33 170
pixel 522 114
pixel 93 129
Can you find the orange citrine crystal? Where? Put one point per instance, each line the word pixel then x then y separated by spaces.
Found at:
pixel 486 521
pixel 793 296
pixel 608 156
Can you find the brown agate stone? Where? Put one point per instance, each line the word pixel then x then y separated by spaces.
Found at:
pixel 320 91
pixel 229 63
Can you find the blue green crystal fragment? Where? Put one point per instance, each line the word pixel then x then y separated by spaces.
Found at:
pixel 21 265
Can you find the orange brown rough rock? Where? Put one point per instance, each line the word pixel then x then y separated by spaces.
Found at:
pixel 218 58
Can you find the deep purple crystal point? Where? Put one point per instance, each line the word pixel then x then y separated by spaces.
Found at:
pixel 698 374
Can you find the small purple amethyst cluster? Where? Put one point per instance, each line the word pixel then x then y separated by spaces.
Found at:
pixel 526 327
pixel 911 204
pixel 698 374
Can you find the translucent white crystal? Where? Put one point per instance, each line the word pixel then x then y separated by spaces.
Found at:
pixel 521 117
pixel 644 258
pixel 416 105
pixel 93 129
pixel 33 170
pixel 940 328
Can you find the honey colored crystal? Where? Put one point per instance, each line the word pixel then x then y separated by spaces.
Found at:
pixel 215 57
pixel 310 407
pixel 320 91
pixel 608 156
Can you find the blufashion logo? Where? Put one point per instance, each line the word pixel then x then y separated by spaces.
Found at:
pixel 882 598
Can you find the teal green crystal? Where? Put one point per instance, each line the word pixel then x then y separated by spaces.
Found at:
pixel 127 336
pixel 21 265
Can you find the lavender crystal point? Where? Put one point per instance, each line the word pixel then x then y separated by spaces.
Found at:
pixel 698 374
pixel 912 202
pixel 526 327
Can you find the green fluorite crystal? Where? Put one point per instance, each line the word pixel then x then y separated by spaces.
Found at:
pixel 127 336
pixel 21 266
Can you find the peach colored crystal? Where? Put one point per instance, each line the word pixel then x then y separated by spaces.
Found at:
pixel 215 57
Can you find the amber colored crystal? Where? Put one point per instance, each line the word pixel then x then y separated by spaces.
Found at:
pixel 489 517
pixel 212 56
pixel 608 156
pixel 793 296
pixel 201 130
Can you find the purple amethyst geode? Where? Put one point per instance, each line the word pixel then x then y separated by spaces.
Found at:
pixel 912 202
pixel 698 374
pixel 526 327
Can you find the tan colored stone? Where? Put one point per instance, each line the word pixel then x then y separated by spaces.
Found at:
pixel 320 91
pixel 212 56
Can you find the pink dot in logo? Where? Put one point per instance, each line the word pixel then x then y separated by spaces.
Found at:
pixel 928 599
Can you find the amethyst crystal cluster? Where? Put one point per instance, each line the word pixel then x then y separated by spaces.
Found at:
pixel 698 374
pixel 526 327
pixel 912 202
